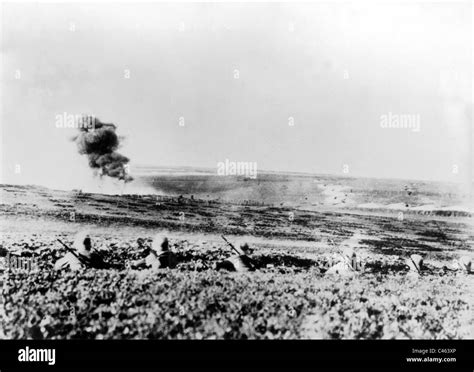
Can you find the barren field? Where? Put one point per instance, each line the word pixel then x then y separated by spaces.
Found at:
pixel 296 226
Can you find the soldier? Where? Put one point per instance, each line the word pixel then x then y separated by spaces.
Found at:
pixel 80 255
pixel 241 262
pixel 348 262
pixel 159 257
pixel 463 264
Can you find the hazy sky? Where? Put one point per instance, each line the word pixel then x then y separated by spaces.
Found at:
pixel 335 69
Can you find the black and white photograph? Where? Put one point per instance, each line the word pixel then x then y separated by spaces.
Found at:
pixel 236 171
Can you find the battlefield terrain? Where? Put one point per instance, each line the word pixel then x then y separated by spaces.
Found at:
pixel 296 223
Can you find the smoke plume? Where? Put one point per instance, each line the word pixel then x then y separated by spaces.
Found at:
pixel 99 141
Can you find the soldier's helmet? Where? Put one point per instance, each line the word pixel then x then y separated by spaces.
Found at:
pixel 415 263
pixel 160 243
pixel 348 252
pixel 465 263
pixel 82 242
pixel 245 249
pixel 140 242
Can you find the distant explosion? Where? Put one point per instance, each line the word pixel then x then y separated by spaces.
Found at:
pixel 100 142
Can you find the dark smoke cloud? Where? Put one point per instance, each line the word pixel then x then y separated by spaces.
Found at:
pixel 99 141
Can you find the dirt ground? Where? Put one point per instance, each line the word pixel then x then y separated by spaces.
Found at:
pixel 289 296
